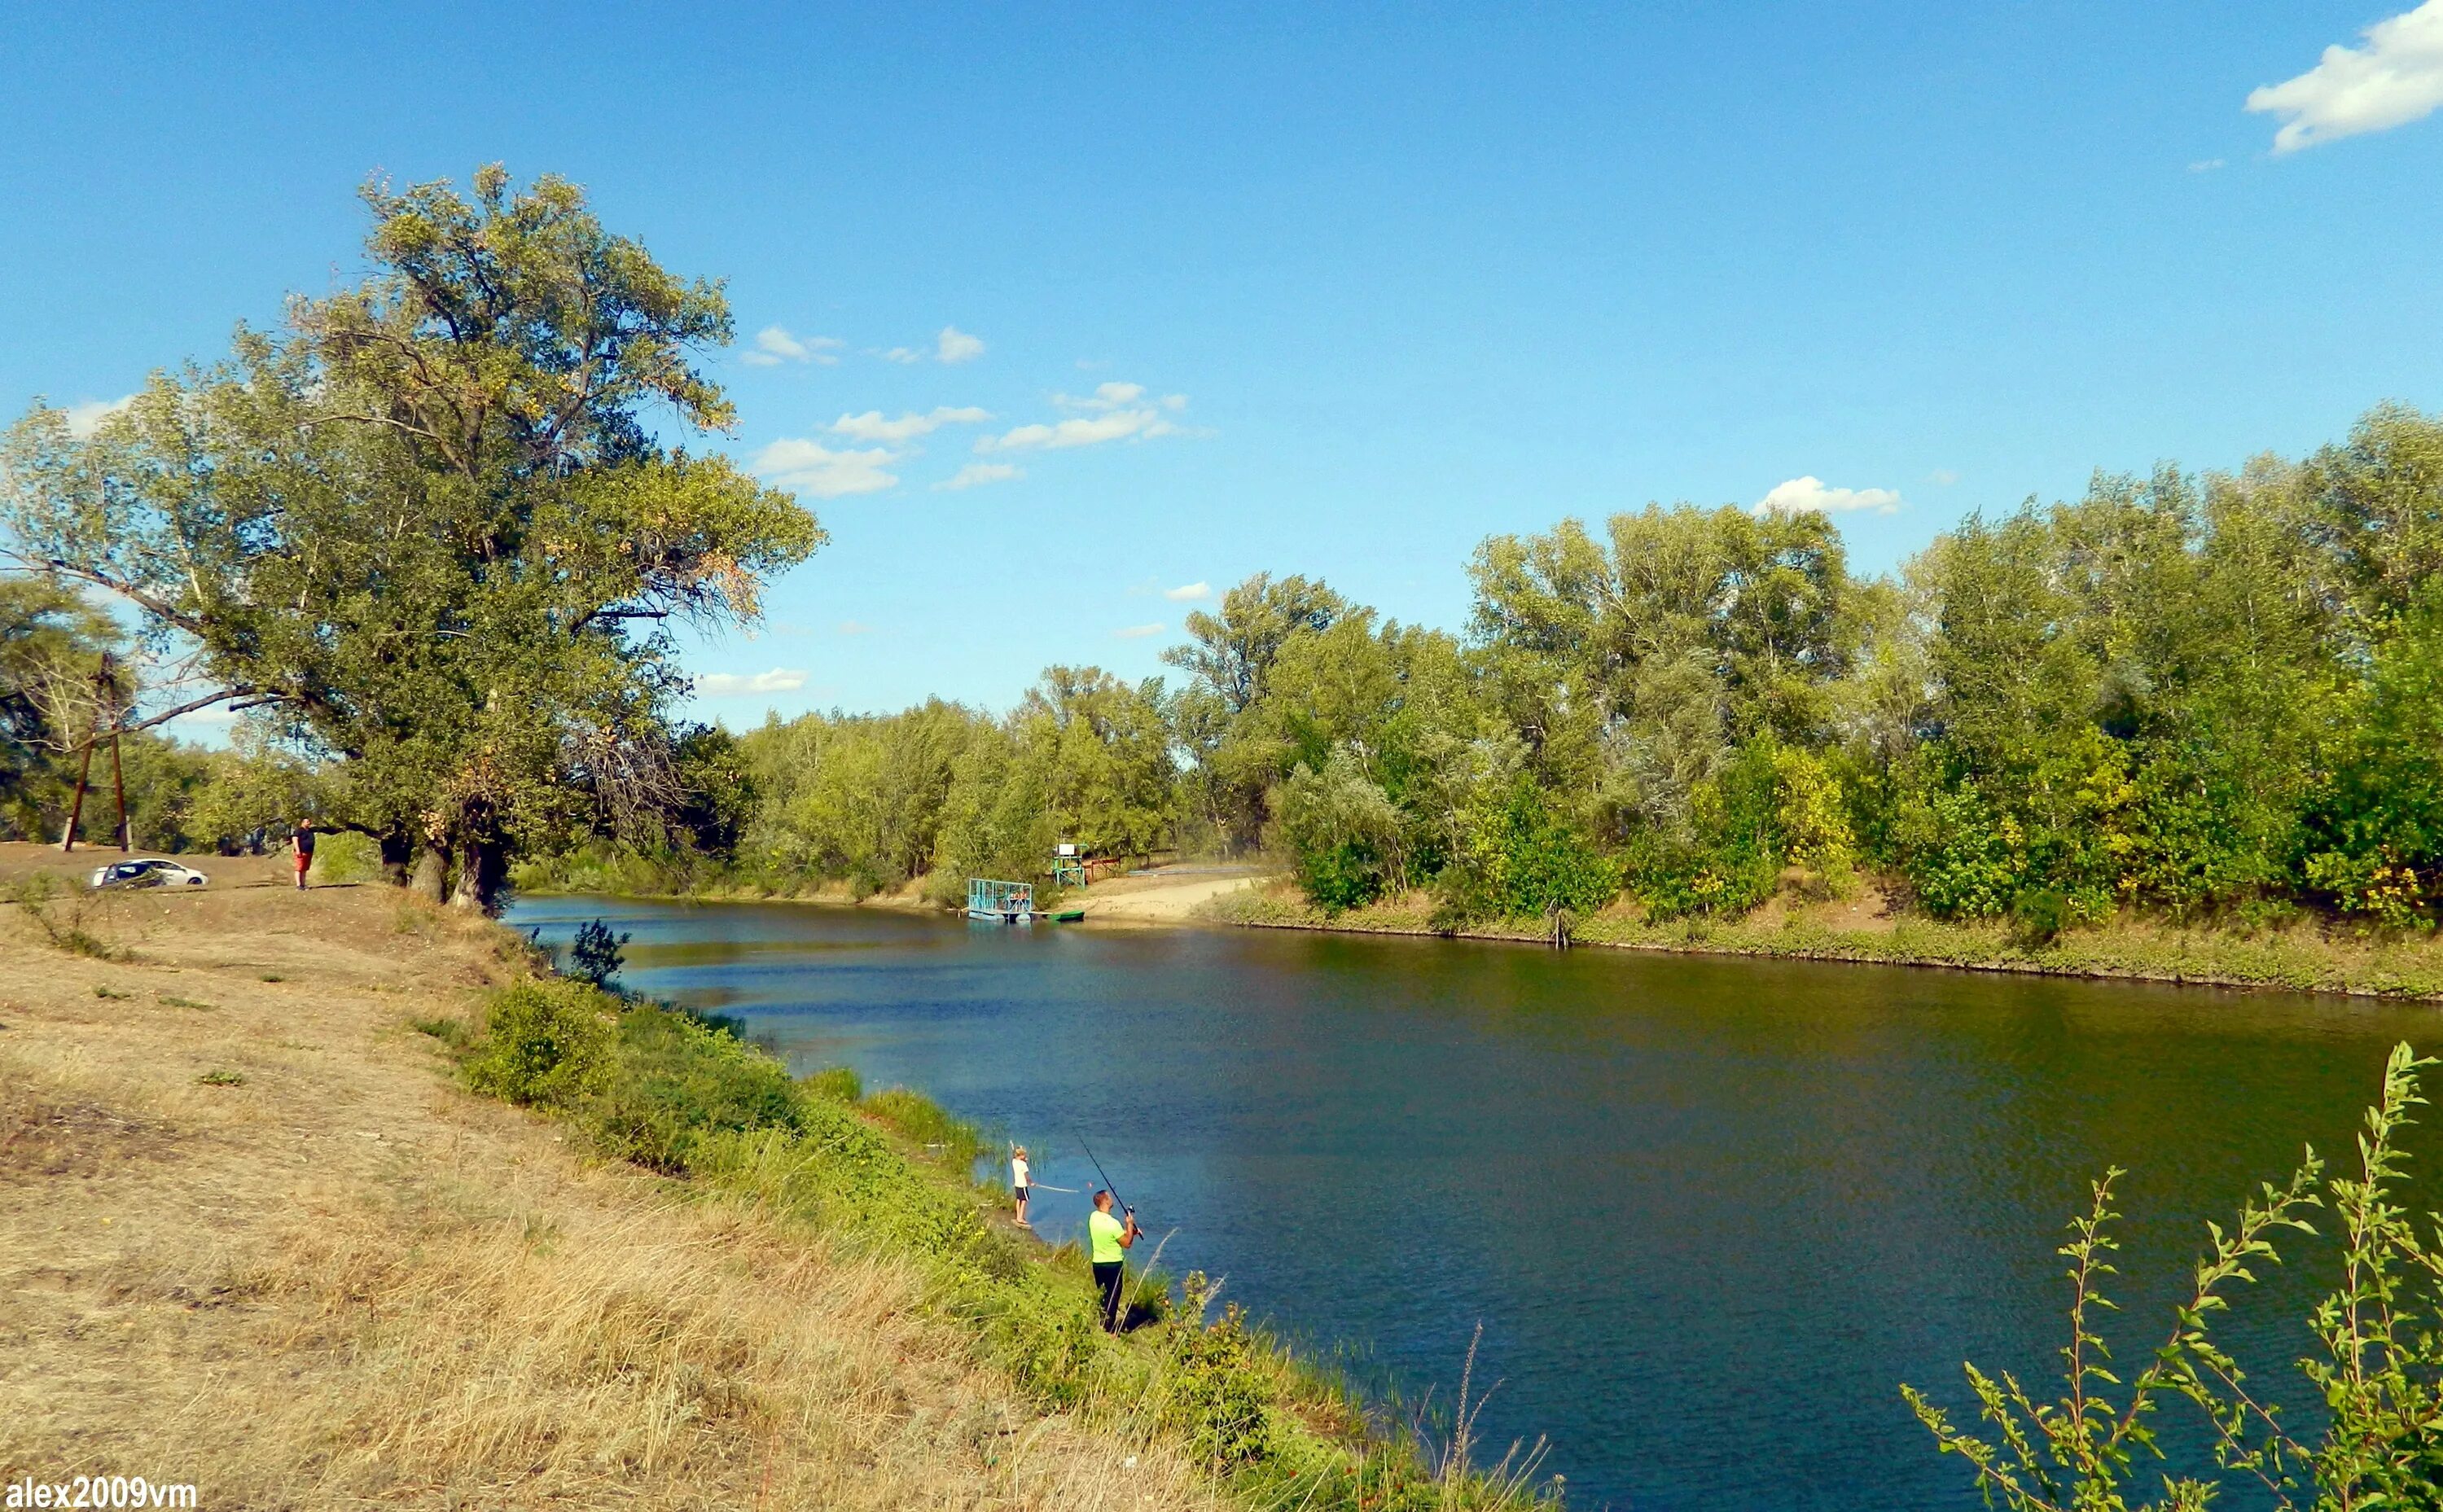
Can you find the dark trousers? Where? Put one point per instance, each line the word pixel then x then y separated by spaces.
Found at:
pixel 1107 1281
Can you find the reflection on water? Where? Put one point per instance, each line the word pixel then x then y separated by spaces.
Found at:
pixel 1709 1212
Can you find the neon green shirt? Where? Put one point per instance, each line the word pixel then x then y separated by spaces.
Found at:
pixel 1103 1232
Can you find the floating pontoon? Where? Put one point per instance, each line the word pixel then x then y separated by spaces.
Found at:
pixel 1006 902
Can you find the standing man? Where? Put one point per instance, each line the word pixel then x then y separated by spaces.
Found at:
pixel 302 843
pixel 1017 1181
pixel 1107 1241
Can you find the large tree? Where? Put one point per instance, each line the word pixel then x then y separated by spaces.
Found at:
pixel 430 525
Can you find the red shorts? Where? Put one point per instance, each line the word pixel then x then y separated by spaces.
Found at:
pixel 304 861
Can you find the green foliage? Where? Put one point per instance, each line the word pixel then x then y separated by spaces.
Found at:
pixel 1218 1396
pixel 840 1083
pixel 345 857
pixel 927 1124
pixel 1344 834
pixel 1522 861
pixel 428 530
pixel 2377 1375
pixel 543 1043
pixel 596 952
pixel 1960 859
pixel 450 1031
pixel 670 1083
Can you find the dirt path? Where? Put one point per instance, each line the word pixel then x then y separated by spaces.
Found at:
pixel 1165 895
pixel 258 1241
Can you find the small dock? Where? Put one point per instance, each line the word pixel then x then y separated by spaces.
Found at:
pixel 1002 902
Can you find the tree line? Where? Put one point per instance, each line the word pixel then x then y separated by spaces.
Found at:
pixel 2203 696
pixel 428 542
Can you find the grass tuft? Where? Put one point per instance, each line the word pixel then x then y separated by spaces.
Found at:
pixel 450 1031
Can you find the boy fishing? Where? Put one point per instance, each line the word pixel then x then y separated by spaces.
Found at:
pixel 1019 1183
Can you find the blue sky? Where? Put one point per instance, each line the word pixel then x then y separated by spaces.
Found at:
pixel 1311 289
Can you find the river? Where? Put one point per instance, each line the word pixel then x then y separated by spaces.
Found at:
pixel 1710 1213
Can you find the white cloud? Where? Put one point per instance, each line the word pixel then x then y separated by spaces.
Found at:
pixel 900 355
pixel 854 628
pixel 2205 165
pixel 1138 632
pixel 734 684
pixel 975 473
pixel 1942 477
pixel 1114 411
pixel 2396 78
pixel 1188 593
pixel 870 426
pixel 809 467
pixel 774 345
pixel 1106 396
pixel 1804 495
pixel 87 418
pixel 1119 425
pixel 954 345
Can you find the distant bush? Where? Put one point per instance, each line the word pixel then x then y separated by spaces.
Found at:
pixel 346 856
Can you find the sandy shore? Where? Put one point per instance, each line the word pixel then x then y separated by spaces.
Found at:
pixel 1166 895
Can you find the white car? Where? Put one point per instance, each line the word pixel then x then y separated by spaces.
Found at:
pixel 152 872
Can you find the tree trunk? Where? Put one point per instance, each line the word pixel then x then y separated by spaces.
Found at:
pixel 483 871
pixel 431 866
pixel 397 852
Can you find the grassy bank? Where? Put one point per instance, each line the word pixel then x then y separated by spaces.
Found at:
pixel 886 1177
pixel 266 1238
pixel 2301 954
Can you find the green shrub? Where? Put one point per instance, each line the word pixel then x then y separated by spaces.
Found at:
pixel 344 856
pixel 1218 1393
pixel 597 954
pixel 1522 861
pixel 543 1042
pixel 450 1031
pixel 953 1141
pixel 671 1081
pixel 838 1083
pixel 1960 859
pixel 2373 1375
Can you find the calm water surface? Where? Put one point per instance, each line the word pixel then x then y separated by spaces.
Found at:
pixel 1709 1212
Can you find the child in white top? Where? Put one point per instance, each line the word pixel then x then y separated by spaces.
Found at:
pixel 1017 1181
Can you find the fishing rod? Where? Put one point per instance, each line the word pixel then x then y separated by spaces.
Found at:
pixel 1104 1175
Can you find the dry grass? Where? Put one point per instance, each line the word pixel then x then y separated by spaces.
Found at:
pixel 343 1281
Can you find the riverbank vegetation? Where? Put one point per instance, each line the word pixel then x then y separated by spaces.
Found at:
pixel 264 1232
pixel 891 1174
pixel 2181 705
pixel 2373 1432
pixel 425 540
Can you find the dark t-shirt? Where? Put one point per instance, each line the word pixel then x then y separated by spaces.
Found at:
pixel 304 842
